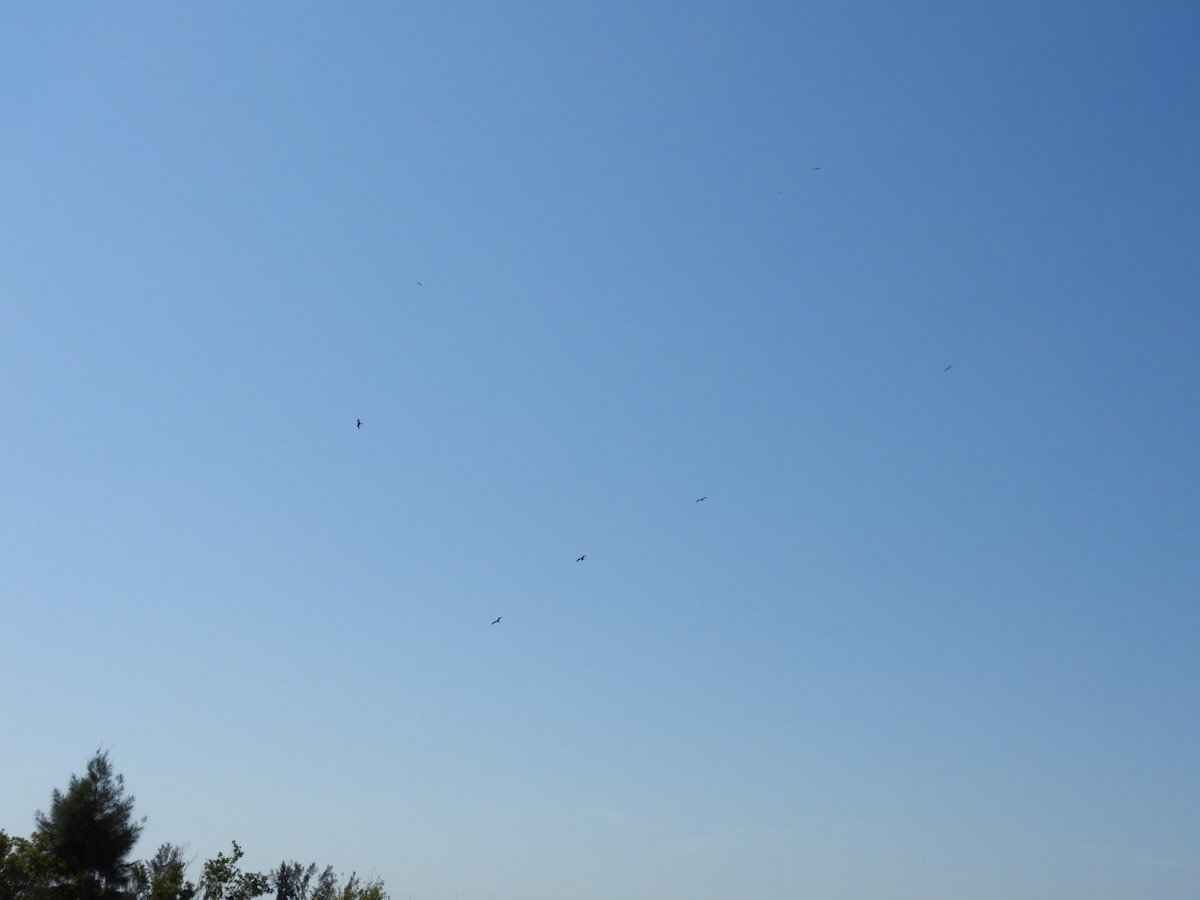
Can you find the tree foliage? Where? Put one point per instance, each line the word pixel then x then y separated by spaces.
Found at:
pixel 357 890
pixel 292 881
pixel 27 867
pixel 162 876
pixel 80 848
pixel 223 879
pixel 91 831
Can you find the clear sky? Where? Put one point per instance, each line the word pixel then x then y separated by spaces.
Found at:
pixel 933 634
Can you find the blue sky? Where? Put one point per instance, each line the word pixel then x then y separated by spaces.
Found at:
pixel 933 634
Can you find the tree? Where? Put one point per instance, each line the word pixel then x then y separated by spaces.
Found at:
pixel 326 888
pixel 224 880
pixel 293 881
pixel 161 878
pixel 27 867
pixel 90 830
pixel 356 890
pixel 79 851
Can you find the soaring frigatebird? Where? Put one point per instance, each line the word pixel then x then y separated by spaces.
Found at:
pixel 358 423
pixel 498 618
pixel 582 558
pixel 702 498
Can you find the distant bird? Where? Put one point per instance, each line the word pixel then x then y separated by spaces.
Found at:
pixel 948 368
pixel 419 284
pixel 358 423
pixel 498 618
pixel 582 558
pixel 816 168
pixel 702 498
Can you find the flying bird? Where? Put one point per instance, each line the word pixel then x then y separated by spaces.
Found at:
pixel 948 368
pixel 498 618
pixel 582 558
pixel 358 423
pixel 703 498
pixel 419 284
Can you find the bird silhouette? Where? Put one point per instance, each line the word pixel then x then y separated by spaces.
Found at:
pixel 358 423
pixel 419 284
pixel 582 558
pixel 948 368
pixel 498 618
pixel 703 498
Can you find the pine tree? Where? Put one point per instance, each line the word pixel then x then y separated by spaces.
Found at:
pixel 90 829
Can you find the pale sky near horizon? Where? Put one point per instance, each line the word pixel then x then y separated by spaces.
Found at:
pixel 932 634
